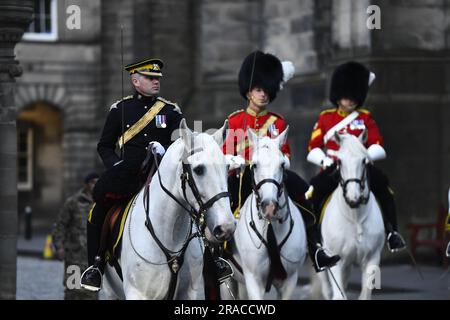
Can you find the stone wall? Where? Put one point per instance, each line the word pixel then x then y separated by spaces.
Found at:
pixel 66 75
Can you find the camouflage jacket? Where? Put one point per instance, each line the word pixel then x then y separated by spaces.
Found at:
pixel 70 229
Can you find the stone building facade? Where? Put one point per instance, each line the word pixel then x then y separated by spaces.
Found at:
pixel 78 76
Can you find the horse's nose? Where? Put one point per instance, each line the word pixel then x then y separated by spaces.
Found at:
pixel 224 232
pixel 269 208
pixel 353 204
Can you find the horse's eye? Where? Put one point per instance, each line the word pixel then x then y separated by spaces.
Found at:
pixel 199 170
pixel 254 166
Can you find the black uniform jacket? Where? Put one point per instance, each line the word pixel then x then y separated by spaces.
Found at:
pixel 121 177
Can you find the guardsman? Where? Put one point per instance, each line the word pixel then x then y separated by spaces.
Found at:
pixel 134 124
pixel 69 235
pixel 349 87
pixel 261 76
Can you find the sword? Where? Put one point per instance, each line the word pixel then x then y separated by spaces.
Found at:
pixel 416 266
pixel 229 289
pixel 336 283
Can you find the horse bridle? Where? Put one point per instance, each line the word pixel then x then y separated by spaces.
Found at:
pixel 175 258
pixel 361 182
pixel 257 186
pixel 198 215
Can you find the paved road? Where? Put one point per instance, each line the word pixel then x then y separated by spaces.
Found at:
pixel 42 279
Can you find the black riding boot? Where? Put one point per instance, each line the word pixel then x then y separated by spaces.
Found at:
pixel 91 279
pixel 296 189
pixel 395 241
pixel 319 257
pixel 321 260
pixel 379 185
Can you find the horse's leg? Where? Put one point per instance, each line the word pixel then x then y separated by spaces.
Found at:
pixel 369 268
pixel 255 289
pixel 287 287
pixel 134 294
pixel 242 291
pixel 337 285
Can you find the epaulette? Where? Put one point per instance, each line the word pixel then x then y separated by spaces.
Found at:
pixel 329 110
pixel 365 111
pixel 114 105
pixel 277 114
pixel 174 104
pixel 235 113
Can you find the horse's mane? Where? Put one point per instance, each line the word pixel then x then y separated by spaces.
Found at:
pixel 351 145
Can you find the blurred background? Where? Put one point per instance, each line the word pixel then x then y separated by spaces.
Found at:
pixel 60 70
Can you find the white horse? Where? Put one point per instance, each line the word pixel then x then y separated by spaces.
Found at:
pixel 352 225
pixel 194 172
pixel 268 206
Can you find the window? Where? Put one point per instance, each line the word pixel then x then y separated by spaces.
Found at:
pixel 25 159
pixel 44 26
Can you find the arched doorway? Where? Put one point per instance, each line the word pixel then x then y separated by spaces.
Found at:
pixel 40 164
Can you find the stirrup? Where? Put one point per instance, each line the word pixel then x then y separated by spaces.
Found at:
pixel 89 287
pixel 223 277
pixel 393 250
pixel 447 252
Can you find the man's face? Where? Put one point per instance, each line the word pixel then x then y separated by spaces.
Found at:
pixel 259 96
pixel 146 85
pixel 347 105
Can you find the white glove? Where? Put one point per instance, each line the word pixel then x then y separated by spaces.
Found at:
pixel 376 152
pixel 235 162
pixel 326 162
pixel 157 148
pixel 319 158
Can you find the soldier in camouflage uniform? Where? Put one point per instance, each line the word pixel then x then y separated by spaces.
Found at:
pixel 69 236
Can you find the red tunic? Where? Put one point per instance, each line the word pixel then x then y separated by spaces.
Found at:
pixel 329 118
pixel 265 123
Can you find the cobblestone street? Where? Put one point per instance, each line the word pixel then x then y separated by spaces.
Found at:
pixel 39 279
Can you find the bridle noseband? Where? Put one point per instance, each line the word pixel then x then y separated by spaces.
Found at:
pixel 257 186
pixel 363 199
pixel 197 215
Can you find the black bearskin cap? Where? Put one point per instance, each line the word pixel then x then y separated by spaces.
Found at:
pixel 350 80
pixel 267 74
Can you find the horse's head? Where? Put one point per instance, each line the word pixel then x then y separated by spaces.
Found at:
pixel 205 181
pixel 352 165
pixel 267 167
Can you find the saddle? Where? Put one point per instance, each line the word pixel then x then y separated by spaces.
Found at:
pixel 112 232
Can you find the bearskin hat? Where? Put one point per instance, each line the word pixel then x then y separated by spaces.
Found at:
pixel 267 73
pixel 350 80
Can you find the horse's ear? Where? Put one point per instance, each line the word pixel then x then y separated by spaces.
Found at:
pixel 185 132
pixel 363 136
pixel 221 134
pixel 252 136
pixel 281 139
